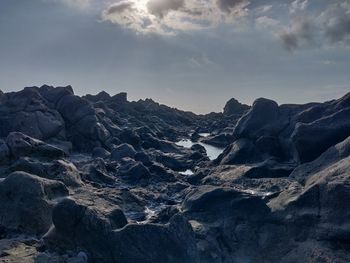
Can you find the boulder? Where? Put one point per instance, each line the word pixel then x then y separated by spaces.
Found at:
pixel 76 225
pixel 312 139
pixel 241 151
pixel 258 120
pixel 136 173
pixel 99 152
pixel 20 144
pixel 66 172
pixel 122 151
pixel 27 202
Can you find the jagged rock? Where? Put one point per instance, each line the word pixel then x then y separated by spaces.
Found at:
pixel 96 172
pixel 27 202
pixel 26 111
pixel 221 140
pixel 143 158
pixel 233 106
pixel 122 151
pixel 20 144
pixel 136 173
pixel 175 162
pixel 99 152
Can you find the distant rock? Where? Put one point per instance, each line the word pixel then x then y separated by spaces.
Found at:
pixel 233 106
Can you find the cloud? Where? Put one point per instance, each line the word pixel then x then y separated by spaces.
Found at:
pixel 168 17
pixel 160 8
pixel 229 5
pixel 300 34
pixel 331 26
pixel 298 5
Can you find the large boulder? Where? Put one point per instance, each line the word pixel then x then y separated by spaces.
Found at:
pixel 257 121
pixel 76 225
pixel 27 202
pixel 82 124
pixel 312 139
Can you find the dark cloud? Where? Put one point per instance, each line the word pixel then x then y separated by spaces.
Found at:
pixel 300 34
pixel 339 29
pixel 330 25
pixel 160 8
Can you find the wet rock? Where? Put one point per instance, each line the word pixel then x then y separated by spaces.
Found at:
pixel 175 162
pixel 221 140
pixel 27 202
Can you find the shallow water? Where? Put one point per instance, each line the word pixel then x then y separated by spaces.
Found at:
pixel 187 172
pixel 212 151
pixel 204 134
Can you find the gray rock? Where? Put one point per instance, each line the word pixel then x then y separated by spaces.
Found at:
pixel 4 152
pixel 20 144
pixel 27 202
pixel 78 225
pixel 121 151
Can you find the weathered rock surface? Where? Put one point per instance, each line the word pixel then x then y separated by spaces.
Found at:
pixel 27 202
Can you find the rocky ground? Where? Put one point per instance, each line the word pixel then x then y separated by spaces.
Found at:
pixel 101 179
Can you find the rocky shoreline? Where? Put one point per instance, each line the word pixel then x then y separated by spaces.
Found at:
pixel 101 179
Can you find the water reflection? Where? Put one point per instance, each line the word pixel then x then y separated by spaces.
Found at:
pixel 212 151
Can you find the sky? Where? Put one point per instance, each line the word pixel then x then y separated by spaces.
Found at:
pixel 191 54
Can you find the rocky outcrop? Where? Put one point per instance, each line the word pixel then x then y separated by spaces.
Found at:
pixel 233 106
pixel 76 224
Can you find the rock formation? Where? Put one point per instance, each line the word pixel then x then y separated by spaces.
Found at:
pixel 102 179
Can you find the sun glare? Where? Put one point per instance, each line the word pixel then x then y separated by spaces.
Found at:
pixel 141 4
